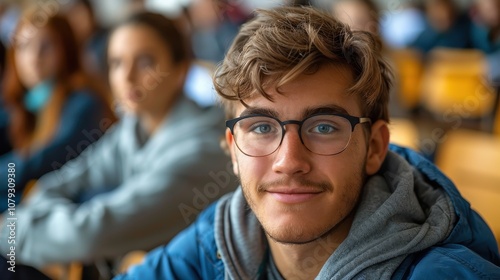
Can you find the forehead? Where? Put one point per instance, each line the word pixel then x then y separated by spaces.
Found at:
pixel 28 33
pixel 327 87
pixel 128 37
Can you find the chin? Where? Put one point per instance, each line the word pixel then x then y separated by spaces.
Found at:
pixel 288 232
pixel 293 235
pixel 131 107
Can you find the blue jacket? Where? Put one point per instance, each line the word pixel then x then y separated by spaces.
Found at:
pixel 469 252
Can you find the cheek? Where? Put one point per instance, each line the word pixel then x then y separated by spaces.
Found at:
pixel 29 76
pixel 115 81
pixel 252 170
pixel 23 60
pixel 347 167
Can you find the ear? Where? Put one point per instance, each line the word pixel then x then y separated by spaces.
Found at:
pixel 230 146
pixel 377 147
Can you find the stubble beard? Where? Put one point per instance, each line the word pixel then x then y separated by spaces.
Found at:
pixel 291 235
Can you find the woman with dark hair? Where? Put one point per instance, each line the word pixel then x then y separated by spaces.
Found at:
pixel 148 177
pixel 52 107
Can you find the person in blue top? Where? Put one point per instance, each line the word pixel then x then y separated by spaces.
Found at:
pixel 4 141
pixel 53 111
pixel 322 193
pixel 446 26
pixel 485 35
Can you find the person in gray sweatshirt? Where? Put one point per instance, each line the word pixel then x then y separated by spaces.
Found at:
pixel 323 195
pixel 144 180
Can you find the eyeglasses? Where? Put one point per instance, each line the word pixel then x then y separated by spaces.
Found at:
pixel 322 134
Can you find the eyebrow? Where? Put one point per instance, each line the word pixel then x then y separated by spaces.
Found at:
pixel 259 111
pixel 323 109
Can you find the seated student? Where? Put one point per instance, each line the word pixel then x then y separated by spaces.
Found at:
pixel 445 27
pixel 322 194
pixel 146 178
pixel 50 104
pixel 4 116
pixel 486 35
pixel 90 36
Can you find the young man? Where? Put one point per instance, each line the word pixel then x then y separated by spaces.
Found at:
pixel 321 195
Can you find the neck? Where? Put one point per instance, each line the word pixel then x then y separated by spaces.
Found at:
pixel 495 34
pixel 152 118
pixel 305 261
pixel 151 121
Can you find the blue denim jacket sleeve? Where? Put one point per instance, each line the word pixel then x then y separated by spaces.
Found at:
pixel 451 261
pixel 190 255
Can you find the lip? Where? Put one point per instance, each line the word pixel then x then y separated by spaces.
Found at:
pixel 134 95
pixel 292 196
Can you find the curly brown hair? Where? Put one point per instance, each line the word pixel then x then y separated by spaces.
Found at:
pixel 280 44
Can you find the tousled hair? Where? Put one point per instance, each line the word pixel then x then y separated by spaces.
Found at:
pixel 280 44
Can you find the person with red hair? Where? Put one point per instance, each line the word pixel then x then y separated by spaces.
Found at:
pixel 53 110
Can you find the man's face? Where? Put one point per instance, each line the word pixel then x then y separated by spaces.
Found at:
pixel 299 196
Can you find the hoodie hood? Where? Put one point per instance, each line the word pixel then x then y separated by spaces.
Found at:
pixel 406 207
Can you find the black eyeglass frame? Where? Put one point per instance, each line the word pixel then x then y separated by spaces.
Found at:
pixel 352 120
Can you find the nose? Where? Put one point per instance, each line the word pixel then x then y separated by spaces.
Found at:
pixel 292 157
pixel 128 72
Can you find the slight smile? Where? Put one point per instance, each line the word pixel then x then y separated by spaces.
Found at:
pixel 293 195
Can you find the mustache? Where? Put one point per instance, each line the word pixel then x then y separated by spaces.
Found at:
pixel 302 182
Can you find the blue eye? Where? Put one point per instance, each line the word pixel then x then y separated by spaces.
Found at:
pixel 262 129
pixel 324 129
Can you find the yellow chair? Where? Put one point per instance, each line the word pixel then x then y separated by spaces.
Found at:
pixel 404 133
pixel 71 271
pixel 408 68
pixel 455 83
pixel 131 259
pixel 472 161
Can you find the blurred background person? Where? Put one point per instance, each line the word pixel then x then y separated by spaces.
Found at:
pixel 147 178
pixel 213 24
pixel 4 139
pixel 445 26
pixel 49 101
pixel 91 37
pixel 486 34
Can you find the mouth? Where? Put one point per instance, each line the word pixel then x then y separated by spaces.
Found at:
pixel 293 195
pixel 134 95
